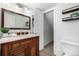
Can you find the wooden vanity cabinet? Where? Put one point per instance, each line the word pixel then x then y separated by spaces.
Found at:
pixel 24 47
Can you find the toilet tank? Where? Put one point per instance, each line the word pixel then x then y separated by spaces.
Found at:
pixel 70 48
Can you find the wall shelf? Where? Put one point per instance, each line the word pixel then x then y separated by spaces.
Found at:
pixel 70 18
pixel 72 9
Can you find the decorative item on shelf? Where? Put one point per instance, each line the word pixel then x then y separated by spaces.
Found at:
pixel 70 18
pixel 4 31
pixel 18 33
pixel 22 33
pixel 71 9
pixel 26 33
pixel 75 14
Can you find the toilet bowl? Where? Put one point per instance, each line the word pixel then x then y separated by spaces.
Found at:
pixel 70 48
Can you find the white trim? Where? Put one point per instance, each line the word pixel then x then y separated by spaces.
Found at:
pixel 49 10
pixel 70 42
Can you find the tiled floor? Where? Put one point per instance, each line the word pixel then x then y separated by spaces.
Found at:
pixel 47 51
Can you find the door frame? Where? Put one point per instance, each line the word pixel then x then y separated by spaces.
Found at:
pixel 50 10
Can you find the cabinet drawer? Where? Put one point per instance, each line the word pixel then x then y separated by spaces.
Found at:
pixel 28 42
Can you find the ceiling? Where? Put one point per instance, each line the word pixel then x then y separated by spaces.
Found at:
pixel 40 6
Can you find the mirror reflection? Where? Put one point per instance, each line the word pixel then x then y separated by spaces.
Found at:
pixel 15 20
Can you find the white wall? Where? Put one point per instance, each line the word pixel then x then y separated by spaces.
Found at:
pixel 48 30
pixel 64 30
pixel 39 26
pixel 49 16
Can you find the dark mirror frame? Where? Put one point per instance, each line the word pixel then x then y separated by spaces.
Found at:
pixel 2 18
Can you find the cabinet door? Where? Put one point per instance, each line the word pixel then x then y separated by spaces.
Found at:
pixel 29 47
pixel 4 50
pixel 18 51
pixel 15 49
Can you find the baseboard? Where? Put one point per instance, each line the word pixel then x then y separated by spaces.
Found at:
pixel 48 44
pixel 41 48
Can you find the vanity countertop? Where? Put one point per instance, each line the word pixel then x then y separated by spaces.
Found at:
pixel 20 37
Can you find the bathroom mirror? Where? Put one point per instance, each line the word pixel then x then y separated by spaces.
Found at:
pixel 14 20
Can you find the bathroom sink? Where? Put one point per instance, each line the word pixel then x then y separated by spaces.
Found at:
pixel 18 37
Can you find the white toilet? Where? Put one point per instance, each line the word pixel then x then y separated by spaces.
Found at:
pixel 70 48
